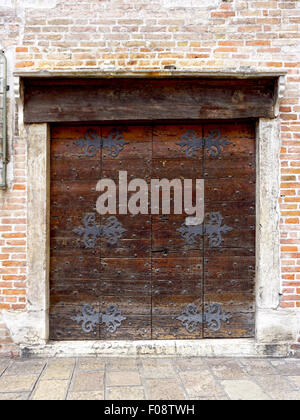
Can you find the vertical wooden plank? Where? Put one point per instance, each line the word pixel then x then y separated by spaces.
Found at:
pixel 229 249
pixel 74 261
pixel 177 271
pixel 126 264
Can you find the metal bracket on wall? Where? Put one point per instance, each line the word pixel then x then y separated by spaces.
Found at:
pixel 213 229
pixel 3 122
pixel 212 316
pixel 213 143
pixel 89 318
pixel 91 143
pixel 112 230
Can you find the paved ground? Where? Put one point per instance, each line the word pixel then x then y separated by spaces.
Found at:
pixel 149 378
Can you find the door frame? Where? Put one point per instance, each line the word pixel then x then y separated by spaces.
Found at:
pixel 276 328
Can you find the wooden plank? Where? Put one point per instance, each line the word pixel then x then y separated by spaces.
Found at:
pixel 241 234
pixel 240 217
pixel 70 100
pixel 135 241
pixel 124 268
pixel 75 265
pixel 74 268
pixel 136 326
pixel 241 136
pixel 69 160
pixel 229 270
pixel 237 159
pixel 177 269
pixel 135 168
pixel 168 242
pixel 88 290
pixel 63 328
pixel 166 310
pixel 177 168
pixel 75 291
pixel 241 168
pixel 64 170
pixel 74 193
pixel 223 189
pixel 230 267
pixel 166 138
pixel 137 137
pixel 177 276
pixel 240 306
pixel 71 132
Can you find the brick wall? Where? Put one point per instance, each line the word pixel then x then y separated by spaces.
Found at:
pixel 135 34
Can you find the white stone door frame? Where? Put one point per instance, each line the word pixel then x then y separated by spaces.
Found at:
pixel 276 328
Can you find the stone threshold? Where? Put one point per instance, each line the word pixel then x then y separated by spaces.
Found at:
pixel 247 348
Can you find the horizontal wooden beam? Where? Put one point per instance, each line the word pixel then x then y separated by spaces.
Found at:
pixel 166 73
pixel 87 100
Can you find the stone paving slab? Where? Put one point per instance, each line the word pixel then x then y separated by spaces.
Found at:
pixel 88 381
pixel 4 364
pixel 244 390
pixel 59 369
pixel 287 367
pixel 51 390
pixel 17 383
pixel 86 396
pixel 123 378
pixel 26 367
pixel 259 367
pixel 144 378
pixel 165 389
pixel 227 369
pixel 200 383
pixel 126 393
pixel 20 396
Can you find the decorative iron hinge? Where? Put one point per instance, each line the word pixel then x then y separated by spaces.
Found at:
pixel 112 230
pixel 213 229
pixel 91 143
pixel 88 318
pixel 212 316
pixel 213 142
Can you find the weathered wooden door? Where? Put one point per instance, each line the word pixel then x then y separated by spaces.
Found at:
pixel 151 276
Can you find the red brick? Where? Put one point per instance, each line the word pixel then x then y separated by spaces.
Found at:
pixel 223 14
pixel 18 306
pixel 21 49
pixel 14 292
pixel 293 220
pixel 12 277
pixel 13 263
pixel 287 305
pixel 19 187
pixel 25 64
pixel 258 43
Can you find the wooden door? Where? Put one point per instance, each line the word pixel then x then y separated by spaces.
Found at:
pixel 151 276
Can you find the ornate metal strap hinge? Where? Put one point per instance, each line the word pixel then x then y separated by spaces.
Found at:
pixel 213 143
pixel 112 230
pixel 213 229
pixel 88 318
pixel 91 143
pixel 212 316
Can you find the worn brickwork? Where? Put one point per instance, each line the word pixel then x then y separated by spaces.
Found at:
pixel 135 34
